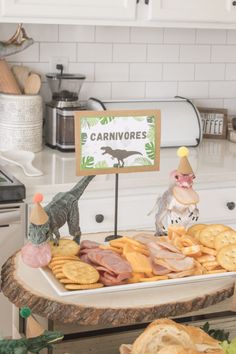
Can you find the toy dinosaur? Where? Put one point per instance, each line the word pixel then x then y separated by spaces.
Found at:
pixel 32 345
pixel 119 154
pixel 63 208
pixel 178 205
pixel 18 42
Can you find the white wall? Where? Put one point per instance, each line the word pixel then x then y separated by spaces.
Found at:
pixel 123 62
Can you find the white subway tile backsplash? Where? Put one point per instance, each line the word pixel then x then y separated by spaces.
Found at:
pixel 146 35
pixel 111 72
pixel 30 54
pixel 113 35
pixel 230 72
pixel 70 33
pixel 94 52
pixel 128 90
pixel 209 72
pixel 42 33
pixel 223 53
pixel 161 89
pixel 162 53
pixel 195 53
pixel 209 102
pixel 48 50
pixel 193 89
pixel 179 35
pixel 100 90
pixel 222 89
pixel 129 53
pixel 178 72
pixel 137 62
pixel 211 36
pixel 84 69
pixel 145 72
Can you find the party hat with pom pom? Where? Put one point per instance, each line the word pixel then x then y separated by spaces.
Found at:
pixel 38 215
pixel 184 165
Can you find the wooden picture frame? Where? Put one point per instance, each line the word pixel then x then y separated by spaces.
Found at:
pixel 214 122
pixel 103 138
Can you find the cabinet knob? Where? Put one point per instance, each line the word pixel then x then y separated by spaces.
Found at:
pixel 99 218
pixel 230 205
pixel 234 3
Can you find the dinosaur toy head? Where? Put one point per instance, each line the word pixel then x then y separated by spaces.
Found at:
pixel 39 233
pixel 182 180
pixel 45 340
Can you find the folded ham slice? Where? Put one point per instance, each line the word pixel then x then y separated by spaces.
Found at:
pixel 176 265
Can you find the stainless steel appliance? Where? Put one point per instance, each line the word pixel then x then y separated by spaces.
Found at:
pixel 59 122
pixel 12 235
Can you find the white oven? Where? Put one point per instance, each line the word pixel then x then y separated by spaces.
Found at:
pixel 12 235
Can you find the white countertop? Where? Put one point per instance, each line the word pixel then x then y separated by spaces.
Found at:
pixel 213 161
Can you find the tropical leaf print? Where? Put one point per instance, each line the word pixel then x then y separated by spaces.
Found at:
pixel 101 164
pixel 151 133
pixel 87 162
pixel 89 122
pixel 106 120
pixel 150 120
pixel 84 138
pixel 150 150
pixel 142 161
pixel 139 119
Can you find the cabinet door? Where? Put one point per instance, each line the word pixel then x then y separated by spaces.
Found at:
pixel 192 10
pixel 70 9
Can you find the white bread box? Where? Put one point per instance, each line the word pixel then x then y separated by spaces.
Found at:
pixel 180 119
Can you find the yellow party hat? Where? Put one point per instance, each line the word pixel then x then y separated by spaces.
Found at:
pixel 184 165
pixel 38 215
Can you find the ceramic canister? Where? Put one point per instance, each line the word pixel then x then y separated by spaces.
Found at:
pixel 21 120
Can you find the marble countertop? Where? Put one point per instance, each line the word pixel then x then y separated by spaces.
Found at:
pixel 213 161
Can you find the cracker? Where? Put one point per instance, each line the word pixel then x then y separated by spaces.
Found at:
pixel 206 258
pixel 215 271
pixel 155 278
pixel 61 262
pixel 225 238
pixel 194 230
pixel 193 251
pixel 82 272
pixel 227 257
pixel 210 265
pixel 208 234
pixel 63 258
pixel 66 247
pixel 59 275
pixel 57 269
pixel 83 287
pixel 67 281
pixel 208 250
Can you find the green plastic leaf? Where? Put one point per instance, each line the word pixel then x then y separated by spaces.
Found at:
pixel 142 161
pixel 106 120
pixel 150 150
pixel 101 164
pixel 87 162
pixel 84 138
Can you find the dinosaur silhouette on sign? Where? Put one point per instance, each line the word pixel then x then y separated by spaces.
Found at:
pixel 119 154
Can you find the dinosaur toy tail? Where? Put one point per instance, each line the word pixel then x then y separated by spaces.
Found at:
pixel 80 187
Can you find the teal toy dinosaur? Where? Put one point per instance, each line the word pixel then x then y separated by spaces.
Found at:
pixel 32 345
pixel 63 208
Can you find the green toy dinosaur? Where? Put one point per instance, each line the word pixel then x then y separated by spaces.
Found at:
pixel 32 345
pixel 63 208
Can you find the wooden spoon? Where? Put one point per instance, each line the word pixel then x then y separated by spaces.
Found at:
pixel 21 74
pixel 32 84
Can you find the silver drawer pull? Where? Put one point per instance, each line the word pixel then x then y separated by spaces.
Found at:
pixel 231 205
pixel 9 217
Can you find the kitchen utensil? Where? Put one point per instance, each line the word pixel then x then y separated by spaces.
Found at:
pixel 59 123
pixel 23 159
pixel 21 74
pixel 8 83
pixel 32 84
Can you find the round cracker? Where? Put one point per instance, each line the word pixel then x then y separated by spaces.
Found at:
pixel 83 287
pixel 194 230
pixel 66 247
pixel 208 234
pixel 227 257
pixel 65 258
pixel 225 238
pixel 82 272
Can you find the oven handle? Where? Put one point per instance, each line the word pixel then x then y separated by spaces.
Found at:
pixel 11 216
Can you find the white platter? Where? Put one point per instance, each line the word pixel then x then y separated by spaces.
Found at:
pixel 60 290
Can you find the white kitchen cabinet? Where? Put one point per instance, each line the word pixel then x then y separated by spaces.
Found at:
pixel 192 10
pixel 57 10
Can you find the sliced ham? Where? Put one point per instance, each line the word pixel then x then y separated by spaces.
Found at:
pixel 178 265
pixel 185 273
pixel 158 251
pixel 88 244
pixel 167 245
pixel 111 261
pixel 157 269
pixel 144 238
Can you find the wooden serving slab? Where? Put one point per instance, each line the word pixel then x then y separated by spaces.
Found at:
pixel 25 286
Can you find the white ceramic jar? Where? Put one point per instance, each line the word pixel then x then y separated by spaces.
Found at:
pixel 21 121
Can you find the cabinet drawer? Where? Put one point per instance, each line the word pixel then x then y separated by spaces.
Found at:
pixel 217 205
